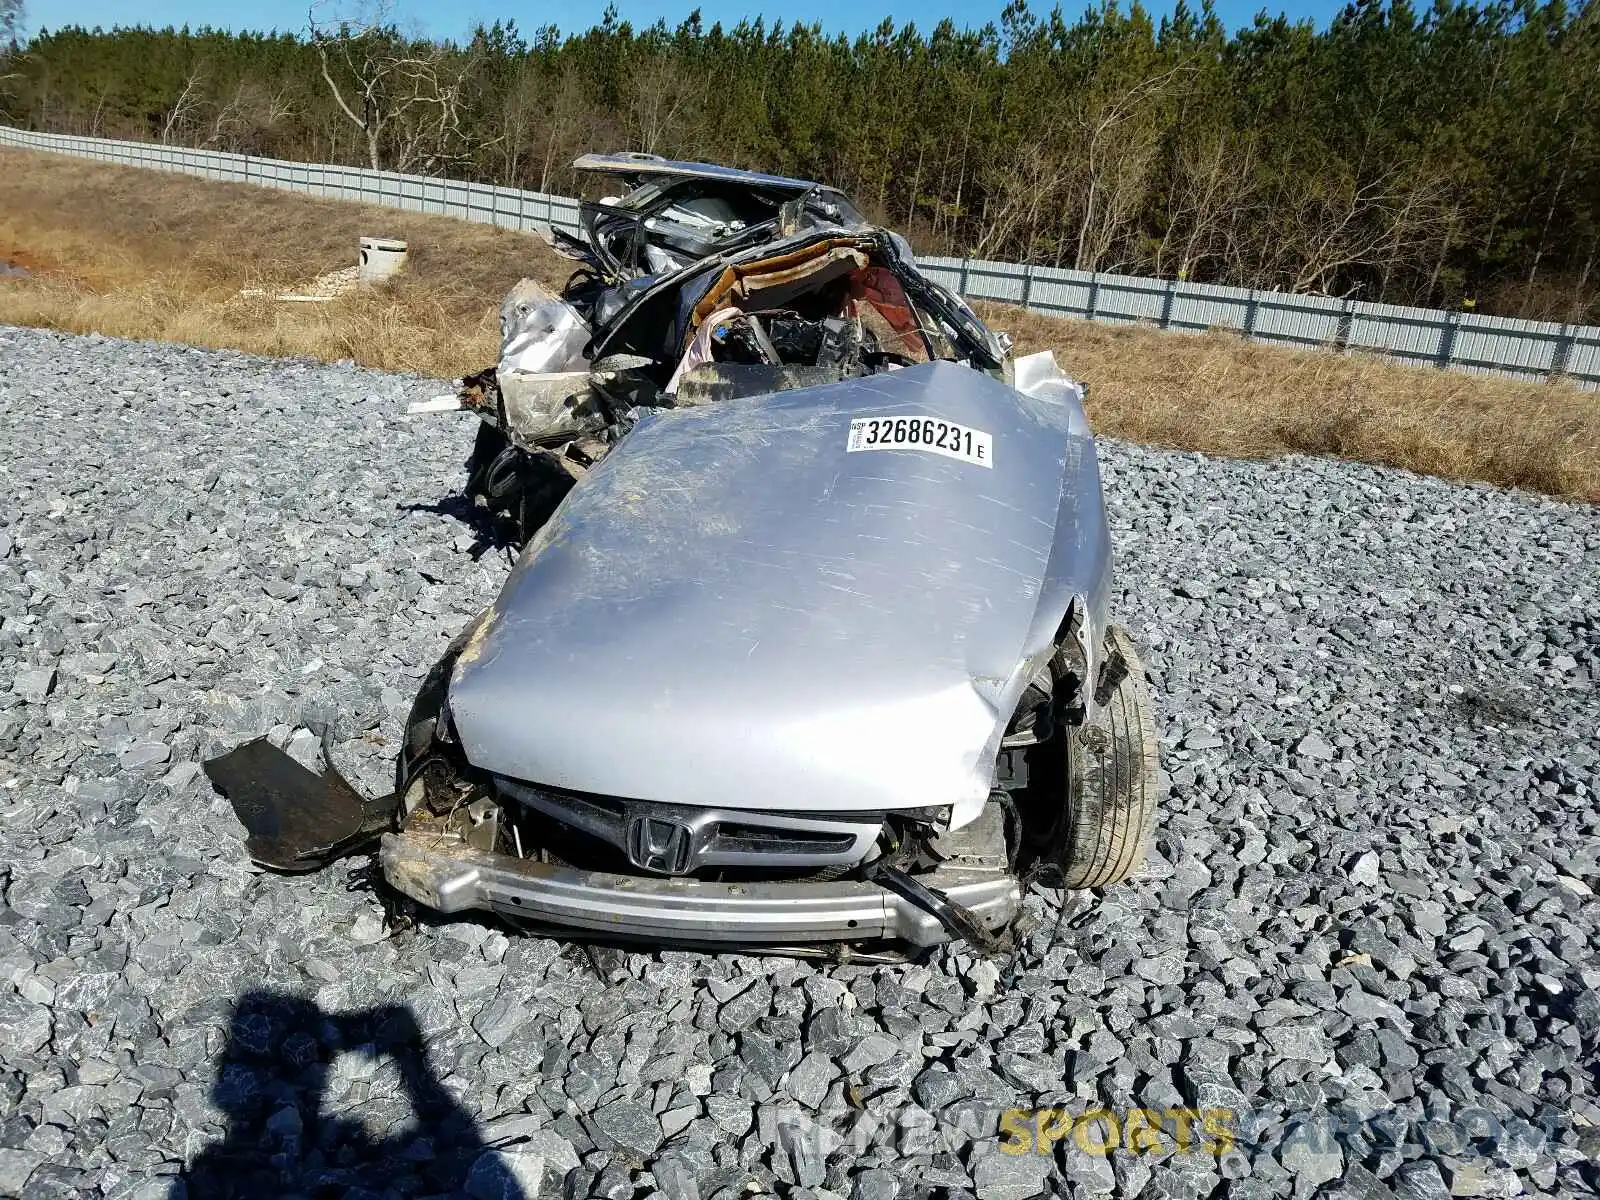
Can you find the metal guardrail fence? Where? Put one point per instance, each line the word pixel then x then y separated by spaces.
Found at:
pixel 1424 336
pixel 509 208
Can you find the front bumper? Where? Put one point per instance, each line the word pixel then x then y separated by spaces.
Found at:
pixel 440 872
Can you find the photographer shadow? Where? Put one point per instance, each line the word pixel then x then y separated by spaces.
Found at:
pixel 272 1081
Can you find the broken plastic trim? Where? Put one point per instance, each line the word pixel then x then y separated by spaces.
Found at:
pixel 297 820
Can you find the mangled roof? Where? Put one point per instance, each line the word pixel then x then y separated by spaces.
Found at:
pixel 650 166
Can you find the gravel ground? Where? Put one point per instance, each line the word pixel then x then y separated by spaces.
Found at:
pixel 1367 927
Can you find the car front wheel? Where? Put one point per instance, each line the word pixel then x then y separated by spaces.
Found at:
pixel 1113 776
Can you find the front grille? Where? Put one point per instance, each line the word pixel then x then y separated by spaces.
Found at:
pixel 670 839
pixel 757 838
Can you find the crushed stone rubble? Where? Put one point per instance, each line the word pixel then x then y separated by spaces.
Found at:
pixel 1367 928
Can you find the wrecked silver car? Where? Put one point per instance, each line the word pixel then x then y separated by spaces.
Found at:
pixel 808 642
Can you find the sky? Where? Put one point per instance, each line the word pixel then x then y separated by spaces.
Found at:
pixel 455 19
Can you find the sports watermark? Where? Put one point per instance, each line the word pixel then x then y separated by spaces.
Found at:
pixel 1463 1132
pixel 1210 1131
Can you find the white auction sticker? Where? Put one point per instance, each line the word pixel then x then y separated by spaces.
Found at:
pixel 922 433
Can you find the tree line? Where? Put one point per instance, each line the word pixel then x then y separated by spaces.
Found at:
pixel 1441 157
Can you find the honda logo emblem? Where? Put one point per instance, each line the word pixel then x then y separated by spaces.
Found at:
pixel 658 845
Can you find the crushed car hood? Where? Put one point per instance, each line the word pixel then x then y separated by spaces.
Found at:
pixel 734 610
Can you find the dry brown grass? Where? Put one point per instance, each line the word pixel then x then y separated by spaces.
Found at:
pixel 140 254
pixel 1219 394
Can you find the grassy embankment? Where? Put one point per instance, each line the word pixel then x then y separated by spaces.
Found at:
pixel 141 254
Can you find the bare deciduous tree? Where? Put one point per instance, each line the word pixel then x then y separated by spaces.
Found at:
pixel 10 36
pixel 10 24
pixel 250 113
pixel 663 104
pixel 1214 180
pixel 567 121
pixel 185 110
pixel 1119 139
pixel 521 111
pixel 1020 191
pixel 407 98
pixel 1333 223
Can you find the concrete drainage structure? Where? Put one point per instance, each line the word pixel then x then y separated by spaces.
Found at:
pixel 381 258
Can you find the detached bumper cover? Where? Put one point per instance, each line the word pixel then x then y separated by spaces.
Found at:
pixel 443 874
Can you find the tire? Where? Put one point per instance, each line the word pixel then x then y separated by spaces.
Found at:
pixel 420 727
pixel 518 490
pixel 488 446
pixel 1114 781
